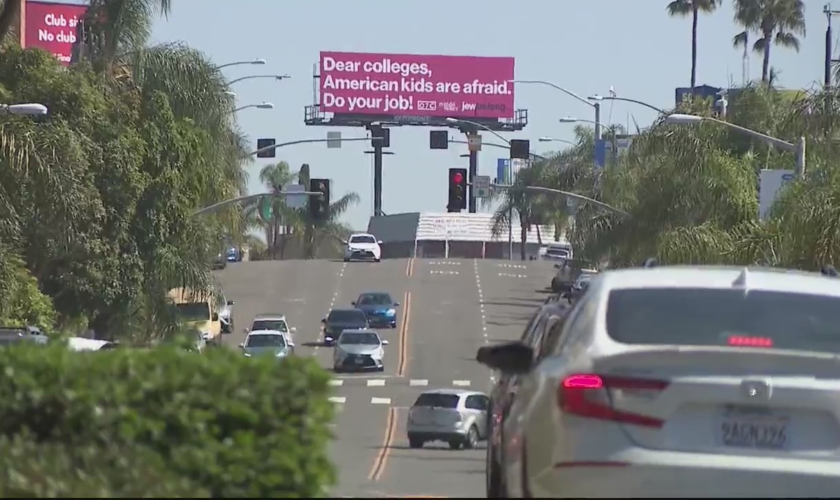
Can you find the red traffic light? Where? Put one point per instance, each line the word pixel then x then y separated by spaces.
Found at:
pixel 458 178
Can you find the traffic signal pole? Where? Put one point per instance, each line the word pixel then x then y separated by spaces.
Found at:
pixel 473 172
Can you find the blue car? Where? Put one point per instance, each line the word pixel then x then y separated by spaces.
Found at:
pixel 380 309
pixel 233 255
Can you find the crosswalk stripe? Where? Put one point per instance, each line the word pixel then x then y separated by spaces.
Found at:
pixel 461 383
pixel 336 383
pixel 416 382
pixel 337 399
pixel 375 383
pixel 380 401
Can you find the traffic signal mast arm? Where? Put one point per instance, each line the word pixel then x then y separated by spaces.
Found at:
pixel 218 206
pixel 541 189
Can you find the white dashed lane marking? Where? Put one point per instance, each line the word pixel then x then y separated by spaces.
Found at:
pixel 332 301
pixel 481 302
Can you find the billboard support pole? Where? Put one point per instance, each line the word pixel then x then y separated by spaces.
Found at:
pixel 377 179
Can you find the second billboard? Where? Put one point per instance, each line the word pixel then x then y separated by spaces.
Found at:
pixel 418 85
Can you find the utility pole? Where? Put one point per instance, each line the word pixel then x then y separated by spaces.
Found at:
pixel 828 44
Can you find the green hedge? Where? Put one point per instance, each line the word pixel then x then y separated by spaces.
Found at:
pixel 216 424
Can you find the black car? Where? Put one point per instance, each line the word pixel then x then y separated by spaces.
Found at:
pixel 539 333
pixel 379 307
pixel 342 319
pixel 219 262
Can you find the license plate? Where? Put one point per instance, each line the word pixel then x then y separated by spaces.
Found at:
pixel 359 361
pixel 754 429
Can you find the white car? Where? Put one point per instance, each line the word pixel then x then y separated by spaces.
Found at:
pixel 275 322
pixel 226 314
pixel 679 382
pixel 363 246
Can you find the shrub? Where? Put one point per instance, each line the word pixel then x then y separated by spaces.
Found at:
pixel 53 470
pixel 239 427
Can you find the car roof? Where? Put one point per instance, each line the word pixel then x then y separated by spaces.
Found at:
pixel 454 392
pixel 362 234
pixel 270 316
pixel 722 277
pixel 266 332
pixel 343 309
pixel 360 330
pixel 374 292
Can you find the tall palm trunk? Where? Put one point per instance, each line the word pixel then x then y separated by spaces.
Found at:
pixel 523 236
pixel 765 64
pixel 694 15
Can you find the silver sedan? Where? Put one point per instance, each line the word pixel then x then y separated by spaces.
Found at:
pixel 361 349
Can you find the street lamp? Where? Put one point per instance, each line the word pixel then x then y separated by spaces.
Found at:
pixel 262 105
pixel 552 139
pixel 798 149
pixel 596 105
pixel 456 121
pixel 255 62
pixel 251 77
pixel 599 98
pixel 28 109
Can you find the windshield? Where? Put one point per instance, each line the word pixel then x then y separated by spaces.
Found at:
pixel 194 311
pixel 351 316
pixel 269 324
pixel 436 400
pixel 362 239
pixel 358 339
pixel 700 316
pixel 374 299
pixel 265 340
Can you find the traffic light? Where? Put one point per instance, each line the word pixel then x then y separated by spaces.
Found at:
pixel 319 206
pixel 439 139
pixel 457 189
pixel 264 143
pixel 384 133
pixel 520 149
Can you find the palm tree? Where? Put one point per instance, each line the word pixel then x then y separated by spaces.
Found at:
pixel 683 8
pixel 775 21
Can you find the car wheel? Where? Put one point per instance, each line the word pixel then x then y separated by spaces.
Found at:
pixel 415 442
pixel 346 259
pixel 455 445
pixel 471 441
pixel 337 369
pixel 377 260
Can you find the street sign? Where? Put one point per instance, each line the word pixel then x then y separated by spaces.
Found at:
pixel 333 140
pixel 296 200
pixel 474 142
pixel 481 184
pixel 266 209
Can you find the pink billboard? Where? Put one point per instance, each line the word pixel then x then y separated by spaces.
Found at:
pixel 417 85
pixel 52 27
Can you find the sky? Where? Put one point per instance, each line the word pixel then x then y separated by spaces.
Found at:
pixel 586 46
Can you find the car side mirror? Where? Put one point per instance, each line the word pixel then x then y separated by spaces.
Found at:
pixel 512 358
pixel 230 302
pixel 205 336
pixel 353 303
pixel 215 317
pixel 293 329
pixel 384 342
pixel 379 242
pixel 396 304
pixel 245 330
pixel 556 266
pixel 242 346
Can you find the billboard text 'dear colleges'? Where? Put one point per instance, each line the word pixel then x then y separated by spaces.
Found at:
pixel 419 85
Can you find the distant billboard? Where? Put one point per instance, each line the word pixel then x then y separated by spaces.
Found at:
pixel 52 27
pixel 417 85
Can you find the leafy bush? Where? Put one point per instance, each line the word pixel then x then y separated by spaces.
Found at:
pixel 51 470
pixel 238 427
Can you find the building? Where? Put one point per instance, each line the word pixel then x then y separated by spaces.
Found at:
pixel 452 235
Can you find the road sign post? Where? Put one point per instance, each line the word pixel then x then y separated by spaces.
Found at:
pixel 481 184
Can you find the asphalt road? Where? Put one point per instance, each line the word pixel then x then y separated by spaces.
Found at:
pixel 448 308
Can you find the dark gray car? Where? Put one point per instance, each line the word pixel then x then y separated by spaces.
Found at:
pixel 342 319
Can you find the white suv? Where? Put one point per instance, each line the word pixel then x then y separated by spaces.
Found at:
pixel 679 381
pixel 362 246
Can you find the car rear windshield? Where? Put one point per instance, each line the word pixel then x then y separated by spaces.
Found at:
pixel 362 239
pixel 436 400
pixel 347 316
pixel 703 316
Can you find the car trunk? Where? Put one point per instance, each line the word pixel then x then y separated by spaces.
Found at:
pixel 732 400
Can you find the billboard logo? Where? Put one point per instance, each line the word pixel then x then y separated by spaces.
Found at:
pixel 417 85
pixel 52 27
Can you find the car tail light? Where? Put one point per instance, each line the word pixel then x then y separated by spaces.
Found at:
pixel 747 341
pixel 587 395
